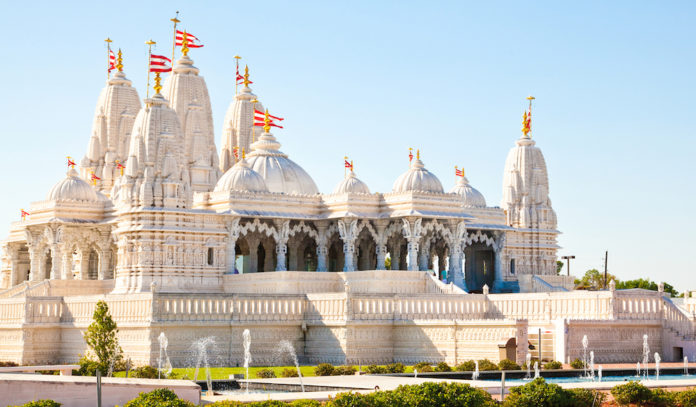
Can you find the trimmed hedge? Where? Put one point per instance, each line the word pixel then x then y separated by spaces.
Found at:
pixel 324 369
pixel 266 374
pixel 41 403
pixel 423 367
pixel 507 364
pixel 553 365
pixel 443 367
pixel 159 398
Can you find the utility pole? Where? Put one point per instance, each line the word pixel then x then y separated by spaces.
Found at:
pixel 567 259
pixel 606 256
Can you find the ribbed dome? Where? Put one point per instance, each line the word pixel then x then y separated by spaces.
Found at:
pixel 279 172
pixel 72 188
pixel 241 178
pixel 417 178
pixel 351 185
pixel 471 196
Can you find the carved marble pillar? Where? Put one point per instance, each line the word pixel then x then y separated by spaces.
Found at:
pixel 396 255
pixel 412 232
pixel 252 265
pixel 348 234
pixel 282 244
pixel 12 254
pixel 34 264
pixel 270 252
pixel 55 262
pixel 381 253
pixel 381 243
pixel 294 255
pixel 231 243
pixel 281 251
pixel 84 263
pixel 456 245
pixel 67 265
pixel 322 240
pixel 104 260
pixel 498 247
pixel 424 257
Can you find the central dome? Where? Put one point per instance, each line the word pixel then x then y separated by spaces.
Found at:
pixel 417 178
pixel 72 188
pixel 241 178
pixel 280 173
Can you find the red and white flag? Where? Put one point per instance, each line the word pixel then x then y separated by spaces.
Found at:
pixel 240 78
pixel 260 119
pixel 193 41
pixel 112 61
pixel 458 172
pixel 158 63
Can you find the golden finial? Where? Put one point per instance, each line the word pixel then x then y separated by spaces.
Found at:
pixel 246 76
pixel 237 57
pixel 267 123
pixel 463 172
pixel 351 166
pixel 175 19
pixel 184 44
pixel 158 79
pixel 243 153
pixel 150 42
pixel 108 40
pixel 418 154
pixel 119 61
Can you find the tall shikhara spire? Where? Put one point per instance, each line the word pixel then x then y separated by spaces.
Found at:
pixel 188 95
pixel 116 109
pixel 238 128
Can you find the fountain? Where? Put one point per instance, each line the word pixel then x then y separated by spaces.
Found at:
pixel 657 366
pixel 637 369
pixel 246 336
pixel 585 344
pixel 536 369
pixel 529 366
pixel 201 348
pixel 163 361
pixel 415 373
pixel 475 375
pixel 591 365
pixel 599 373
pixel 646 355
pixel 286 346
pixel 686 365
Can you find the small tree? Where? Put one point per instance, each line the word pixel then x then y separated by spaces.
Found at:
pixel 101 337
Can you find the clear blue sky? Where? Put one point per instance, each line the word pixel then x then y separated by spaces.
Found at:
pixel 614 115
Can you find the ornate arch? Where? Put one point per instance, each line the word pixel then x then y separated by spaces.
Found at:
pixel 481 238
pixel 303 227
pixel 257 226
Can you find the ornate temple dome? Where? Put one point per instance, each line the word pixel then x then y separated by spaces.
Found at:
pixel 241 178
pixel 73 188
pixel 471 196
pixel 417 178
pixel 279 172
pixel 351 185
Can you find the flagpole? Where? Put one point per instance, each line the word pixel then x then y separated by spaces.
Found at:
pixel 175 20
pixel 236 82
pixel 149 43
pixel 345 172
pixel 108 57
pixel 529 119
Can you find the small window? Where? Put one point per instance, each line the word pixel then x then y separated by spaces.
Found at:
pixel 211 255
pixel 512 266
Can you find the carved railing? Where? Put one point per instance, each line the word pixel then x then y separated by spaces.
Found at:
pixel 547 306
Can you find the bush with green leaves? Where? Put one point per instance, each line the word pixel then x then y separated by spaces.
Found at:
pixel 41 403
pixel 507 364
pixel 553 365
pixel 538 393
pixel 375 369
pixel 631 392
pixel 8 364
pixel 266 374
pixel 686 398
pixel 443 367
pixel 485 364
pixel 662 398
pixel 587 397
pixel 423 367
pixel 429 394
pixel 158 398
pixel 101 338
pixel 577 364
pixel 468 366
pixel 146 372
pixel 395 368
pixel 344 371
pixel 324 369
pixel 289 372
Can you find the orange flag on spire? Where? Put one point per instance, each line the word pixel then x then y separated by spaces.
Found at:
pixel 24 214
pixel 71 163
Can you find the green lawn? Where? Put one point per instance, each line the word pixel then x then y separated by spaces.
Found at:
pixel 225 372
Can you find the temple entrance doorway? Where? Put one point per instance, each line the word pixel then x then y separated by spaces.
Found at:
pixel 479 267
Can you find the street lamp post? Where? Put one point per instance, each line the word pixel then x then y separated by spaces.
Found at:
pixel 568 258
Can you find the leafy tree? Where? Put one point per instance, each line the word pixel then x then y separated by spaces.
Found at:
pixel 646 284
pixel 101 337
pixel 594 280
pixel 559 267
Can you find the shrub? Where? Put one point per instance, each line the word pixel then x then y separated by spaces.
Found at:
pixel 468 366
pixel 577 364
pixel 396 368
pixel 351 399
pixel 507 364
pixel 41 403
pixel 344 371
pixel 631 392
pixel 538 393
pixel 426 394
pixel 266 374
pixel 374 369
pixel 686 398
pixel 485 364
pixel 553 365
pixel 305 403
pixel 146 372
pixel 586 397
pixel 159 398
pixel 324 369
pixel 443 367
pixel 289 372
pixel 88 367
pixel 423 367
pixel 662 398
pixel 12 364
